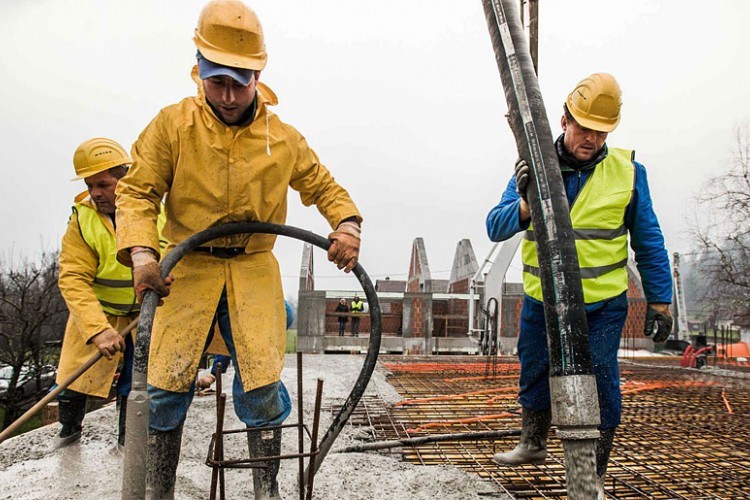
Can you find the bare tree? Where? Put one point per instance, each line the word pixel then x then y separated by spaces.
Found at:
pixel 32 322
pixel 722 231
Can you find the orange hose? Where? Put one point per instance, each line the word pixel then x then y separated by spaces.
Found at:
pixel 726 401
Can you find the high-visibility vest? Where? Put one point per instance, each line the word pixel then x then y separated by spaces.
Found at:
pixel 598 217
pixel 357 306
pixel 113 282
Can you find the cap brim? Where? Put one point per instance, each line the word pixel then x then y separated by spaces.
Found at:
pixel 208 69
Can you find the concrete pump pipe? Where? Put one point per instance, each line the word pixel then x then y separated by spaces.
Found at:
pixel 575 405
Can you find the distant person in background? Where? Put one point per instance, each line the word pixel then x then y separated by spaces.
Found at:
pixel 357 307
pixel 342 308
pixel 97 290
pixel 206 380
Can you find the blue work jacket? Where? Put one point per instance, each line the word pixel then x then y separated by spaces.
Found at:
pixel 645 235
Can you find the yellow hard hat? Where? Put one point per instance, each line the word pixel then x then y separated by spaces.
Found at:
pixel 595 102
pixel 229 33
pixel 97 155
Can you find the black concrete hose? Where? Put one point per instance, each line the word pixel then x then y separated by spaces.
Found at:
pixel 575 406
pixel 135 446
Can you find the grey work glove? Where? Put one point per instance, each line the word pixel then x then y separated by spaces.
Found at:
pixel 522 178
pixel 658 322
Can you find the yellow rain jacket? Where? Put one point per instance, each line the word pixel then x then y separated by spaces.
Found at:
pixel 212 173
pixel 91 282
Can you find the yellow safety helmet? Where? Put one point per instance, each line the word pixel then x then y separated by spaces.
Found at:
pixel 595 102
pixel 97 155
pixel 229 33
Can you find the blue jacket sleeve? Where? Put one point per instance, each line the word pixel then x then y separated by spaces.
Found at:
pixel 647 242
pixel 503 221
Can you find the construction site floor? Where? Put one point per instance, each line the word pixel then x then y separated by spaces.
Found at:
pixel 685 433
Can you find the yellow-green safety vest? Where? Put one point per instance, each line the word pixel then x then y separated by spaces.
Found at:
pixel 598 217
pixel 357 306
pixel 113 282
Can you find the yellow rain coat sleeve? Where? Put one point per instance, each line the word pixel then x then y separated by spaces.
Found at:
pixel 211 174
pixel 78 264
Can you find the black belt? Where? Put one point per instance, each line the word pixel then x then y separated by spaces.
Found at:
pixel 222 252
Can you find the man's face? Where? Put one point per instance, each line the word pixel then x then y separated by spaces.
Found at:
pixel 583 143
pixel 228 97
pixel 102 190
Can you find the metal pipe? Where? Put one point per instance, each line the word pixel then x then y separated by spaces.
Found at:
pixel 575 406
pixel 313 441
pixel 439 438
pixel 134 462
pixel 300 432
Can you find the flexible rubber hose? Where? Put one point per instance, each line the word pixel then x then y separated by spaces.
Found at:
pixel 148 308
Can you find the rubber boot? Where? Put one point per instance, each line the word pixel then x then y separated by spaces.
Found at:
pixel 265 444
pixel 603 449
pixel 532 448
pixel 70 413
pixel 161 463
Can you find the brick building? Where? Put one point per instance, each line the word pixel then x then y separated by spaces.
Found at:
pixel 425 315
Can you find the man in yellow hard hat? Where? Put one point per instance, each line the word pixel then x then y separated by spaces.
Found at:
pixel 222 156
pixel 97 289
pixel 609 198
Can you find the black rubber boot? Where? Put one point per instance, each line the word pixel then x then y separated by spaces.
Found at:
pixel 603 449
pixel 532 447
pixel 71 409
pixel 161 464
pixel 265 444
pixel 122 406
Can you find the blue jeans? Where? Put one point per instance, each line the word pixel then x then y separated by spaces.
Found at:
pixel 605 328
pixel 263 406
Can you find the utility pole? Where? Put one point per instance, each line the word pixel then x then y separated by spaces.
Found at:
pixel 533 9
pixel 534 33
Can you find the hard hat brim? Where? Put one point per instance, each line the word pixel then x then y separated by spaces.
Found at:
pixel 594 124
pixel 100 168
pixel 255 61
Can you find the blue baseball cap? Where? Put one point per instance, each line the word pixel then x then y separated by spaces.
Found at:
pixel 207 69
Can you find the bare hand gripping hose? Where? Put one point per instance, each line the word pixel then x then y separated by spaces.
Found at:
pixel 134 462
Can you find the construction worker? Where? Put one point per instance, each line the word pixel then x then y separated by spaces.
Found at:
pixel 356 307
pixel 343 309
pixel 97 289
pixel 222 156
pixel 609 197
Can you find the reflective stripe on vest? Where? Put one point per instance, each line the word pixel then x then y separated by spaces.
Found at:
pixel 113 282
pixel 598 217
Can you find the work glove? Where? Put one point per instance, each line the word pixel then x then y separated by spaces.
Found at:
pixel 109 342
pixel 522 178
pixel 147 275
pixel 205 381
pixel 344 249
pixel 658 322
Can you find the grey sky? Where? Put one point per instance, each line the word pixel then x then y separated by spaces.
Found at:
pixel 401 100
